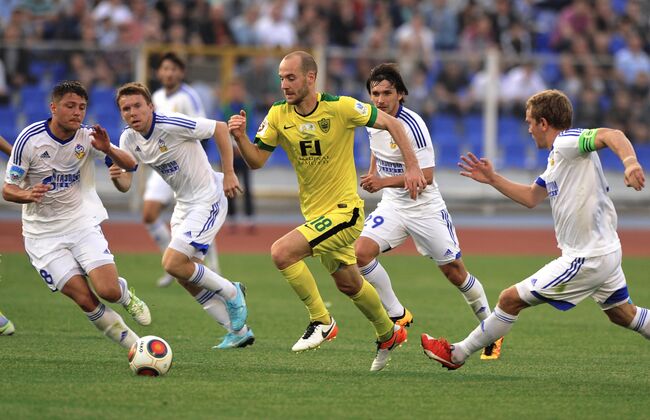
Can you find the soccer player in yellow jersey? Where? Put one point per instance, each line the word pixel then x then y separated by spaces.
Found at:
pixel 317 132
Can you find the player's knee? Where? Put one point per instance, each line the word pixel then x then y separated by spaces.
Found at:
pixel 111 294
pixel 149 218
pixel 364 257
pixel 510 302
pixel 455 272
pixel 280 255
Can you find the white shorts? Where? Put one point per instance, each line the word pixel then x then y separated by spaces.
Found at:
pixel 58 259
pixel 158 190
pixel 566 281
pixel 194 229
pixel 433 233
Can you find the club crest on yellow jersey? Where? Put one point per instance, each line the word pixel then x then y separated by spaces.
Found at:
pixel 79 151
pixel 324 124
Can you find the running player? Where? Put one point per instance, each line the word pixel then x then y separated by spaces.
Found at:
pixel 585 228
pixel 317 132
pixel 6 326
pixel 397 217
pixel 173 96
pixel 170 144
pixel 51 171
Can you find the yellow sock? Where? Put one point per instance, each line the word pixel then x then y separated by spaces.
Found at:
pixel 304 284
pixel 368 302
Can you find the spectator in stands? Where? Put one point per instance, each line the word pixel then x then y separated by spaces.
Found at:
pixel 216 30
pixel 478 35
pixel 632 60
pixel 443 20
pixel 15 57
pixel 588 112
pixel 451 88
pixel 518 85
pixel 576 18
pixel 4 87
pixel 242 26
pixel 255 74
pixel 273 30
pixel 415 42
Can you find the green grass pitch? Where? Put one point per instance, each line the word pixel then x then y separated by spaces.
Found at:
pixel 554 365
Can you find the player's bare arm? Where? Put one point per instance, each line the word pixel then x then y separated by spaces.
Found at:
pixel 618 142
pixel 33 194
pixel 120 157
pixel 231 185
pixel 5 146
pixel 373 182
pixel 121 178
pixel 254 156
pixel 482 170
pixel 414 179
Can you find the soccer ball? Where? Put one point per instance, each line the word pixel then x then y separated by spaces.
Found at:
pixel 150 356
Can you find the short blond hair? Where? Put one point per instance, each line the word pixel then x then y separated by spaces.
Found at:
pixel 133 88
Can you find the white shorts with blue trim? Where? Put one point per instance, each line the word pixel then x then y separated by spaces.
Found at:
pixel 58 259
pixel 194 228
pixel 566 281
pixel 158 190
pixel 433 232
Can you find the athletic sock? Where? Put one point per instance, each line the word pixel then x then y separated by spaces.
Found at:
pixel 212 258
pixel 125 297
pixel 215 306
pixel 641 322
pixel 208 279
pixel 376 275
pixel 368 302
pixel 112 325
pixel 159 232
pixel 474 295
pixel 487 332
pixel 303 283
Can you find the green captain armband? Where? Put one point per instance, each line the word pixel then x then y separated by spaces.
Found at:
pixel 587 140
pixel 373 116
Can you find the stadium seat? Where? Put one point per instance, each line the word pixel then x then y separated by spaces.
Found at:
pixel 102 96
pixel 34 98
pixel 609 160
pixel 361 149
pixel 8 123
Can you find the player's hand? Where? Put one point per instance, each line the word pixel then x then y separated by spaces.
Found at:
pixel 231 185
pixel 371 183
pixel 414 181
pixel 480 170
pixel 100 139
pixel 237 125
pixel 37 192
pixel 634 176
pixel 116 172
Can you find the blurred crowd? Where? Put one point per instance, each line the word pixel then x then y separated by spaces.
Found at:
pixel 594 50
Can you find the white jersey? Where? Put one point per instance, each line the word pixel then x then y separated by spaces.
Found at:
pixel 185 101
pixel 173 150
pixel 72 204
pixel 584 215
pixel 389 161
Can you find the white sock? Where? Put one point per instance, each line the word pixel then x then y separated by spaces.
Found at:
pixel 212 259
pixel 492 328
pixel 112 325
pixel 376 275
pixel 125 299
pixel 641 322
pixel 215 306
pixel 159 232
pixel 474 295
pixel 208 279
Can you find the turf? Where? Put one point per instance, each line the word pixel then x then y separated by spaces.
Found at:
pixel 554 365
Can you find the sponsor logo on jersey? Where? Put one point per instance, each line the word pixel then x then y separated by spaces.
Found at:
pixel 162 146
pixel 137 149
pixel 45 155
pixel 60 181
pixel 167 168
pixel 307 128
pixel 16 173
pixel 324 124
pixel 361 108
pixel 79 151
pixel 263 125
pixel 552 189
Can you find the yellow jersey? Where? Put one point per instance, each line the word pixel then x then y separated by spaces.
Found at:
pixel 320 147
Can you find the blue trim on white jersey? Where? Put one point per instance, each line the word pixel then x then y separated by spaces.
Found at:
pixel 29 132
pixel 404 115
pixel 557 304
pixel 55 138
pixel 153 125
pixel 194 98
pixel 618 296
pixel 571 132
pixel 540 181
pixel 181 122
pixel 211 218
pixel 450 226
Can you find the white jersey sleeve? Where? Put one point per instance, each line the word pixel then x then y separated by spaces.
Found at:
pixel 185 100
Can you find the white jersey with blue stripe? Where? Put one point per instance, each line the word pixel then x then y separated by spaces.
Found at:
pixel 584 215
pixel 185 100
pixel 389 160
pixel 172 149
pixel 72 204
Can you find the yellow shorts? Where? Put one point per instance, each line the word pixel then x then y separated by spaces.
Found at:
pixel 332 235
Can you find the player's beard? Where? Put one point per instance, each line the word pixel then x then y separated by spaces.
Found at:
pixel 299 95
